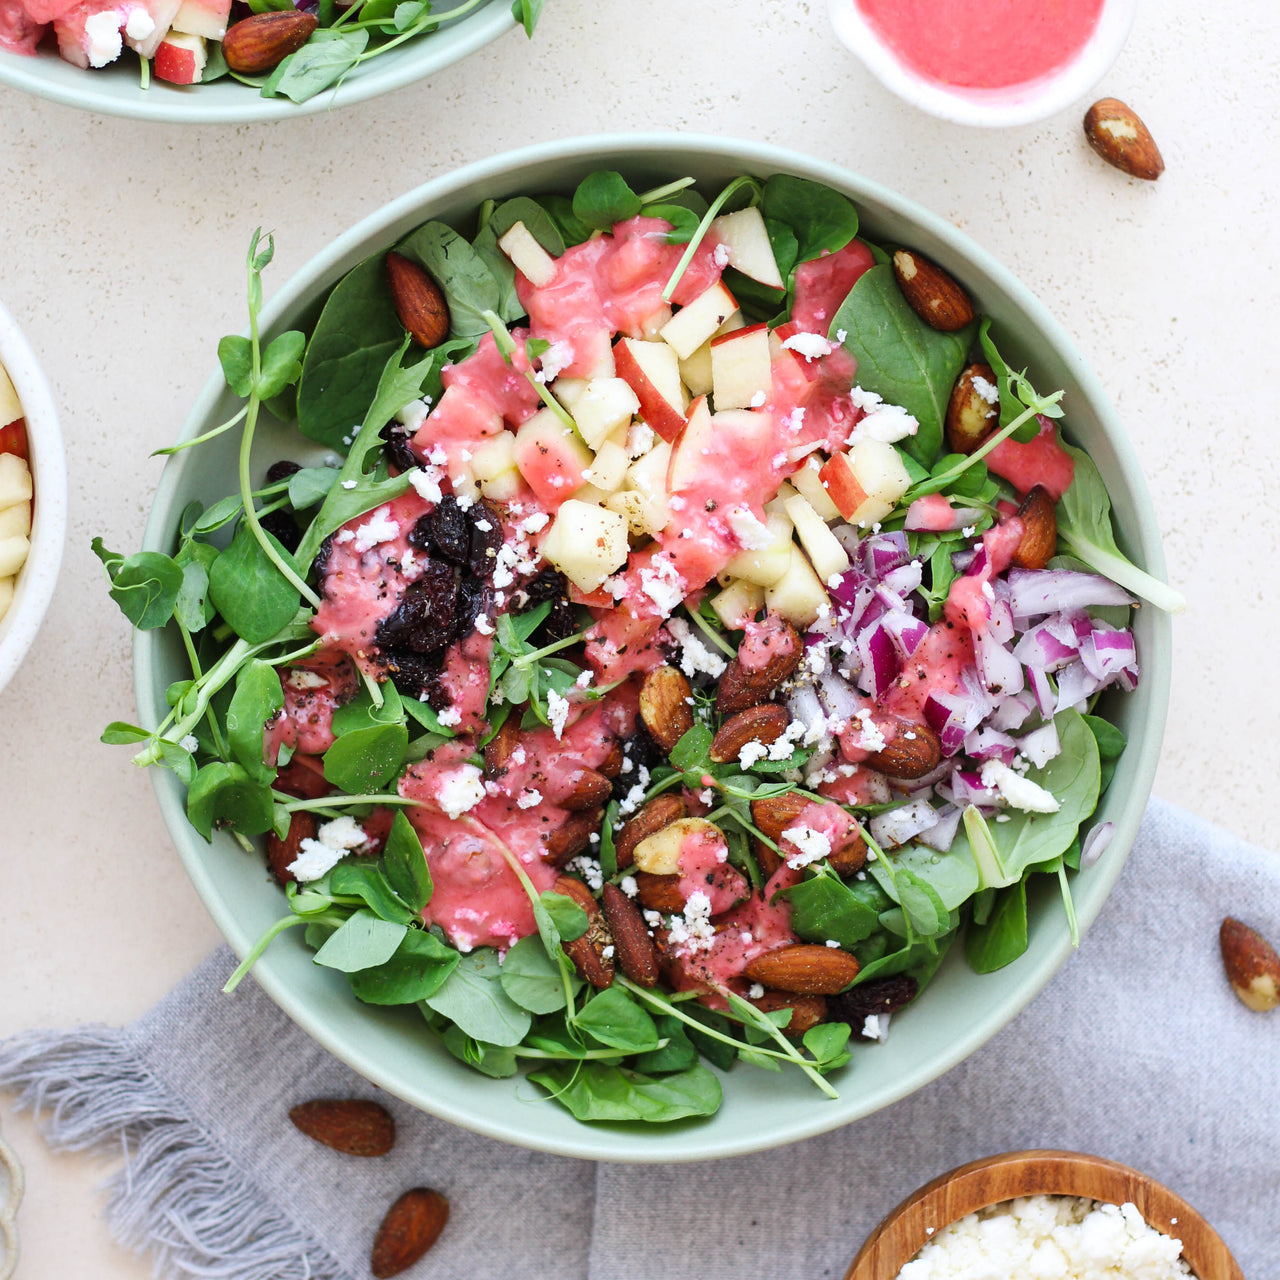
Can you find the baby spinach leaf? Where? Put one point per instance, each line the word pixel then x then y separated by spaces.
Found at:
pixel 604 198
pixel 420 964
pixel 951 875
pixel 1003 938
pixel 361 942
pixel 253 596
pixel 614 1019
pixel 691 751
pixel 1084 530
pixel 569 919
pixel 145 585
pixel 496 1061
pixel 822 220
pixel 532 979
pixel 684 222
pixel 366 759
pixel 365 881
pixel 900 357
pixel 225 795
pixel 560 210
pixel 597 1091
pixel 311 485
pixel 825 907
pixel 485 244
pixel 538 222
pixel 716 1052
pixel 326 57
pixel 1111 740
pixel 473 998
pixel 406 863
pixel 456 267
pixel 257 698
pixel 676 1055
pixel 527 13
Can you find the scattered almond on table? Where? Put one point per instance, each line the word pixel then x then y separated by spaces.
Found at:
pixel 412 1225
pixel 1117 134
pixel 354 1126
pixel 1252 965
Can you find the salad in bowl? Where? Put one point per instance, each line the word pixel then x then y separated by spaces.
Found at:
pixel 672 627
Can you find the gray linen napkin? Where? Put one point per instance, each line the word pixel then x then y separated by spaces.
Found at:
pixel 1137 1051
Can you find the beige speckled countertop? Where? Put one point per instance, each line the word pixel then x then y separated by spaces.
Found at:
pixel 122 260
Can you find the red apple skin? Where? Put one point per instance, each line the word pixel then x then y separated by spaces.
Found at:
pixel 174 65
pixel 13 437
pixel 655 408
pixel 738 333
pixel 842 485
pixel 686 454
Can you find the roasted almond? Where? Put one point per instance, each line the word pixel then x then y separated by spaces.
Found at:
pixel 931 293
pixel 573 836
pixel 355 1126
pixel 660 852
pixel 804 968
pixel 747 686
pixel 262 41
pixel 1252 965
pixel 768 859
pixel 418 301
pixel 588 951
pixel 774 814
pixel 851 856
pixel 499 748
pixel 971 415
pixel 666 706
pixel 913 751
pixel 611 765
pixel 1040 530
pixel 660 812
pixel 765 723
pixel 585 789
pixel 280 853
pixel 412 1225
pixel 634 952
pixel 660 893
pixel 806 1011
pixel 1117 134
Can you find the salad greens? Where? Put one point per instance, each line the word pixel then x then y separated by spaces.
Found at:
pixel 242 583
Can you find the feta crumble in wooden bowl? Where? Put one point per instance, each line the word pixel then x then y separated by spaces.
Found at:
pixel 1052 1213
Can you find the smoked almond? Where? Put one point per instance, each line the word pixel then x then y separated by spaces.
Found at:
pixel 634 951
pixel 418 301
pixel 666 706
pixel 805 968
pixel 1252 965
pixel 743 686
pixel 764 724
pixel 412 1225
pixel 806 1011
pixel 500 748
pixel 588 952
pixel 774 814
pixel 972 415
pixel 585 789
pixel 280 853
pixel 660 812
pixel 911 752
pixel 262 41
pixel 1117 134
pixel 1040 530
pixel 931 293
pixel 660 892
pixel 356 1126
pixel 573 836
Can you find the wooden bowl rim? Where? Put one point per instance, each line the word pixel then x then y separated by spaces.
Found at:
pixel 963 1190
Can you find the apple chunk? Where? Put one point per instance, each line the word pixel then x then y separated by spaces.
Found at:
pixel 15 480
pixel 866 482
pixel 694 323
pixel 828 557
pixel 809 481
pixel 180 59
pixel 765 565
pixel 550 457
pixel 603 406
pixel 741 369
pixel 738 603
pixel 586 543
pixel 747 239
pixel 652 371
pixel 10 405
pixel 798 595
pixel 527 255
pixel 695 372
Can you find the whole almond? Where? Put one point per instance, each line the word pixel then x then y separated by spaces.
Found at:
pixel 1040 530
pixel 355 1126
pixel 931 293
pixel 665 706
pixel 971 417
pixel 911 752
pixel 769 860
pixel 584 789
pixel 660 893
pixel 1252 965
pixel 499 749
pixel 573 836
pixel 774 814
pixel 634 951
pixel 804 968
pixel 588 951
pixel 418 301
pixel 280 853
pixel 1117 134
pixel 660 812
pixel 262 41
pixel 742 687
pixel 806 1011
pixel 412 1225
pixel 611 765
pixel 765 723
pixel 851 856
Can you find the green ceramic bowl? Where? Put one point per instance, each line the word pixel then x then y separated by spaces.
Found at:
pixel 960 1010
pixel 115 90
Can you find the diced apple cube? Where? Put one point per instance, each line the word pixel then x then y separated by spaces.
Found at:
pixel 828 557
pixel 15 480
pixel 766 565
pixel 206 18
pixel 689 453
pixel 586 543
pixel 808 481
pixel 610 467
pixel 464 482
pixel 13 555
pixel 569 391
pixel 696 370
pixel 494 467
pixel 605 405
pixel 15 521
pixel 741 371
pixel 652 371
pixel 180 59
pixel 652 325
pixel 738 603
pixel 147 42
pixel 527 255
pixel 779 500
pixel 746 237
pixel 867 482
pixel 550 457
pixel 644 500
pixel 6 595
pixel 695 323
pixel 798 595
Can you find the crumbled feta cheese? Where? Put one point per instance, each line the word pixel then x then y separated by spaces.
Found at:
pixel 720 256
pixel 813 346
pixel 969 530
pixel 584 679
pixel 640 439
pixel 841 335
pixel 1018 791
pixel 102 35
pixel 556 358
pixel 449 717
pixel 794 421
pixel 377 529
pixel 870 738
pixel 755 991
pixel 813 846
pixel 629 886
pixel 752 754
pixel 140 25
pixel 535 523
pixel 557 712
pixel 529 798
pixel 349 484
pixel 483 625
pixel 693 930
pixel 332 842
pixel 652 918
pixel 189 743
pixel 589 870
pixel 750 531
pixel 460 789
pixel 757 400
pixel 414 414
pixel 660 581
pixel 345 535
pixel 695 657
pixel 888 423
pixel 990 393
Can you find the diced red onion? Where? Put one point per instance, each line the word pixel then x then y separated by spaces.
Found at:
pixel 907 630
pixel 953 715
pixel 846 589
pixel 966 789
pixel 883 552
pixel 1106 651
pixel 905 579
pixel 881 664
pixel 1075 684
pixel 961 560
pixel 1000 622
pixel 990 744
pixel 803 704
pixel 1012 709
pixel 960 518
pixel 849 538
pixel 1001 671
pixel 838 700
pixel 1046 700
pixel 943 833
pixel 1041 745
pixel 897 826
pixel 1034 592
pixel 1096 843
pixel 1044 649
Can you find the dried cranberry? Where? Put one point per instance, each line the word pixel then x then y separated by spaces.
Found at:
pixel 395 446
pixel 640 749
pixel 550 584
pixel 448 531
pixel 426 616
pixel 486 539
pixel 282 470
pixel 474 598
pixel 888 995
pixel 560 623
pixel 320 565
pixel 413 674
pixel 283 528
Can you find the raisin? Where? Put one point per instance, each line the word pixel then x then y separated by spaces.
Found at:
pixel 413 674
pixel 474 598
pixel 282 470
pixel 448 531
pixel 888 995
pixel 283 528
pixel 427 614
pixel 395 446
pixel 486 539
pixel 639 749
pixel 320 565
pixel 560 623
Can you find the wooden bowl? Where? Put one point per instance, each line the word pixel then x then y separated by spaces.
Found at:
pixel 973 1186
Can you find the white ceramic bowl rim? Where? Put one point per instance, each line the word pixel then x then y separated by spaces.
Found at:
pixel 465 1106
pixel 115 92
pixel 1015 105
pixel 39 575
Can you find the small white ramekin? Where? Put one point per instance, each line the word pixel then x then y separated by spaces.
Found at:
pixel 988 108
pixel 36 578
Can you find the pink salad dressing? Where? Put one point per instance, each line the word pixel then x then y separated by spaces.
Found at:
pixel 704 868
pixel 969 600
pixel 822 284
pixel 1041 461
pixel 313 691
pixel 984 44
pixel 20 32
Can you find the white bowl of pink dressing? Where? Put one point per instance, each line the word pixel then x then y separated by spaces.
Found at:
pixel 990 63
